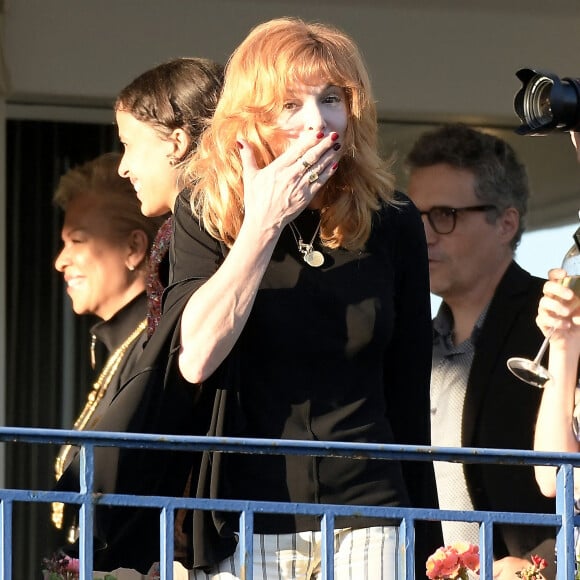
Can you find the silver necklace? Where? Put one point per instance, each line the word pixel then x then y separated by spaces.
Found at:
pixel 312 257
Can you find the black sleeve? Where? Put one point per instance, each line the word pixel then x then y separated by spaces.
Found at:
pixel 408 359
pixel 194 254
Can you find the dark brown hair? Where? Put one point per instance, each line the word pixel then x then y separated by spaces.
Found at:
pixel 179 94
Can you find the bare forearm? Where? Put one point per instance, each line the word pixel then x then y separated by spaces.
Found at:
pixel 216 314
pixel 554 425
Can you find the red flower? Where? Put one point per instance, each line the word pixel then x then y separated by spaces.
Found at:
pixel 533 572
pixel 539 562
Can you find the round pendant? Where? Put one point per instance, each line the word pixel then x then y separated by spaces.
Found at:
pixel 314 258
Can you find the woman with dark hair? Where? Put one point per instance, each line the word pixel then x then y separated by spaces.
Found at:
pixel 160 116
pixel 104 258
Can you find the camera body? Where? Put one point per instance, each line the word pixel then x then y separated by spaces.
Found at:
pixel 547 103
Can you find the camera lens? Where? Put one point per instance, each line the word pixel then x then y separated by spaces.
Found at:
pixel 546 103
pixel 537 103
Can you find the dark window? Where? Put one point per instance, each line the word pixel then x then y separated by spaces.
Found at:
pixel 48 371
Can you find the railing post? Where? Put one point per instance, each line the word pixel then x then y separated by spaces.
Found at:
pixel 406 559
pixel 486 548
pixel 565 556
pixel 166 525
pixel 327 538
pixel 246 545
pixel 6 539
pixel 86 515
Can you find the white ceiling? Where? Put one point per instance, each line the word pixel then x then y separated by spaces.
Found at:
pixel 430 61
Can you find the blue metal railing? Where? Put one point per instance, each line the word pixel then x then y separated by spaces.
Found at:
pixel 563 519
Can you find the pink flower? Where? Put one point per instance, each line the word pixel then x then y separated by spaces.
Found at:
pixel 72 565
pixel 449 562
pixel 444 563
pixel 63 567
pixel 468 555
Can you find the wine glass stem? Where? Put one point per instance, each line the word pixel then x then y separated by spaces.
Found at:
pixel 543 347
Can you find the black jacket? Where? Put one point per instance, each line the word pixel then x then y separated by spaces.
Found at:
pixel 500 412
pixel 156 399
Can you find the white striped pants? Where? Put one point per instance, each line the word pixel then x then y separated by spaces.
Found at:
pixel 359 554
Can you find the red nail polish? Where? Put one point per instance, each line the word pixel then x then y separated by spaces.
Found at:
pixel 319 135
pixel 240 145
pixel 334 136
pixel 334 167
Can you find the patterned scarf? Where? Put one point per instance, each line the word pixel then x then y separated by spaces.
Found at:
pixel 155 286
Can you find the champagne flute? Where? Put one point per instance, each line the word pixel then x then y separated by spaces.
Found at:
pixel 531 371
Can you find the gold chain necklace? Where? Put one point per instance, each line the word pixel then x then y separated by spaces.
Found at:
pixel 312 257
pixel 99 390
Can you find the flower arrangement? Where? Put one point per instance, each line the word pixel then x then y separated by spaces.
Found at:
pixel 533 572
pixel 63 567
pixel 450 562
pixel 60 567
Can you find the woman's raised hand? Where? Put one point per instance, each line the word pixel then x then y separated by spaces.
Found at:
pixel 559 309
pixel 276 194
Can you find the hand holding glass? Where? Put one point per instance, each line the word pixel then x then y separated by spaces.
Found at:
pixel 531 371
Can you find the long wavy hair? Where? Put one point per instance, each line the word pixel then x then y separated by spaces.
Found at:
pixel 274 58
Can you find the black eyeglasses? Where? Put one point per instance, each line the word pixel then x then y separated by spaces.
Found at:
pixel 443 219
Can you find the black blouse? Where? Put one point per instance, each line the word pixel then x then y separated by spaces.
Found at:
pixel 336 353
pixel 112 334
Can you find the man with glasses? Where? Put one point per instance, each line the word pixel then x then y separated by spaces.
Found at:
pixel 472 193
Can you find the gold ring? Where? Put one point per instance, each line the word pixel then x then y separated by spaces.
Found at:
pixel 305 164
pixel 312 176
